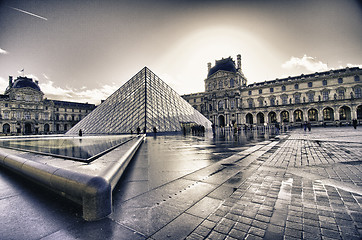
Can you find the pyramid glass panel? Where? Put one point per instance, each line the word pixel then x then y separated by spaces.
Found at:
pixel 144 102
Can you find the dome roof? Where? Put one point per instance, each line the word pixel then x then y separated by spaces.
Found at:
pixel 226 64
pixel 22 82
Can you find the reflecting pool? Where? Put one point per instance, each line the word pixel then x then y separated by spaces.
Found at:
pixel 85 148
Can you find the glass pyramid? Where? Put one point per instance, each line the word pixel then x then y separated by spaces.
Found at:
pixel 143 102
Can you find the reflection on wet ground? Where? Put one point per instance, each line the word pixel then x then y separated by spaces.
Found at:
pixel 76 148
pixel 162 159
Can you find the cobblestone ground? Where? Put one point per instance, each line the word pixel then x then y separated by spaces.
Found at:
pixel 308 186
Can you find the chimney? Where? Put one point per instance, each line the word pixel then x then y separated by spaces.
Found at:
pixel 10 81
pixel 239 61
pixel 208 66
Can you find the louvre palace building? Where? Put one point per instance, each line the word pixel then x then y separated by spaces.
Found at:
pixel 323 98
pixel 24 110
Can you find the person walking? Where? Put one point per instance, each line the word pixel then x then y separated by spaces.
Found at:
pixel 354 123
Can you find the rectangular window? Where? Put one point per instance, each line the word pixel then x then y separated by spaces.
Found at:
pixel 297 99
pixel 271 89
pixel 341 94
pixel 272 102
pixel 358 92
pixel 27 115
pixel 250 103
pixel 311 97
pixel 284 100
pixel 325 96
pixel 232 103
pixel 261 102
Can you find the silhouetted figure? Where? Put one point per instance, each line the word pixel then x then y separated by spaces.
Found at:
pixel 80 133
pixel 305 126
pixel 154 130
pixel 277 128
pixel 354 123
pixel 309 126
pixel 138 130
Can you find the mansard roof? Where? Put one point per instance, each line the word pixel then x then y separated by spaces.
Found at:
pixel 23 82
pixel 225 64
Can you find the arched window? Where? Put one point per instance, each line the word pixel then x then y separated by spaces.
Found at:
pixel 249 118
pixel 260 118
pixel 296 86
pixel 324 82
pixel 312 115
pixel 310 84
pixel 6 128
pixel 272 117
pixel 344 113
pixel 328 114
pixel 284 116
pixel 298 116
pixel 46 128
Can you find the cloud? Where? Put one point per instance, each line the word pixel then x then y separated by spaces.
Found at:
pixel 77 95
pixel 310 64
pixel 350 65
pixel 3 84
pixel 2 51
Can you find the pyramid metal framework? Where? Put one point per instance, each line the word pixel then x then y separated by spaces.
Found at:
pixel 143 102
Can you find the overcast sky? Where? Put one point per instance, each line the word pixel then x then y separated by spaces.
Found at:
pixel 85 50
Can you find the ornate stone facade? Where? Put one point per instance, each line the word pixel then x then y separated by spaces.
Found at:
pixel 23 110
pixel 325 98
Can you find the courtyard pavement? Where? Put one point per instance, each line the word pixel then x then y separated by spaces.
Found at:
pixel 300 185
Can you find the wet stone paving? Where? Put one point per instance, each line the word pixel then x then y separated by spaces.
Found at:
pixel 299 185
pixel 303 188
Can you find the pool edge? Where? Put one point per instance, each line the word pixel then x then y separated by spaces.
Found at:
pixel 94 193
